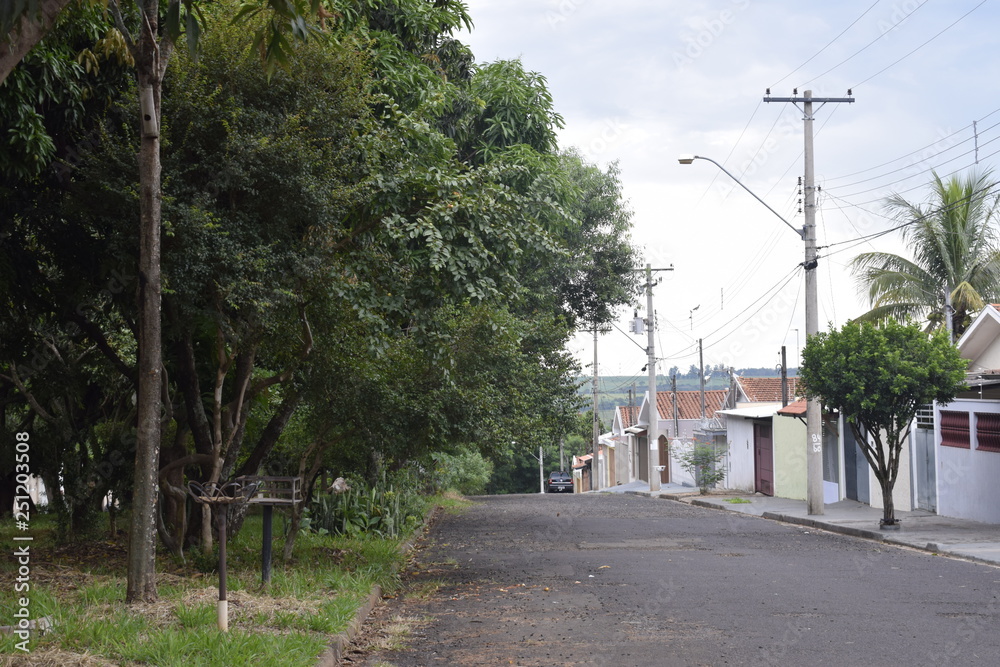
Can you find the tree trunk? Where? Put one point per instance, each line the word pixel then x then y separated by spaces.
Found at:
pixel 889 511
pixel 29 31
pixel 141 584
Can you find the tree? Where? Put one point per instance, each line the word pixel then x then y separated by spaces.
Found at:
pixel 956 256
pixel 22 25
pixel 878 376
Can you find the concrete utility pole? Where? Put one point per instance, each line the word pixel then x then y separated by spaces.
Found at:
pixel 541 471
pixel 814 414
pixel 652 433
pixel 701 377
pixel 595 478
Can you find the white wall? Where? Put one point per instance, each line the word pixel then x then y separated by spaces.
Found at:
pixel 967 478
pixel 739 434
pixel 902 496
pixel 677 474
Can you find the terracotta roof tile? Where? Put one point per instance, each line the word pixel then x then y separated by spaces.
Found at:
pixel 689 403
pixel 766 390
pixel 794 409
pixel 629 415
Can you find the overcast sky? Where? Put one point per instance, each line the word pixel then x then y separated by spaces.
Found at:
pixel 643 82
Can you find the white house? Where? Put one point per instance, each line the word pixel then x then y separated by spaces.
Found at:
pixel 963 459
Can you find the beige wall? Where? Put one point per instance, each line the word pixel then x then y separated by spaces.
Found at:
pixel 789 435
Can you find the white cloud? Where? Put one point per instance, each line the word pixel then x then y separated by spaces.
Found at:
pixel 642 82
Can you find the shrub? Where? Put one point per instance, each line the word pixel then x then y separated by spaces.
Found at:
pixel 702 462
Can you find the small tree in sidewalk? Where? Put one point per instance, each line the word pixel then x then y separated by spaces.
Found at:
pixel 703 462
pixel 878 376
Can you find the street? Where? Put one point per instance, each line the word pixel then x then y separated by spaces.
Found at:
pixel 609 579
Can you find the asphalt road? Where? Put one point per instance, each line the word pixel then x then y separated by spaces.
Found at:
pixel 609 579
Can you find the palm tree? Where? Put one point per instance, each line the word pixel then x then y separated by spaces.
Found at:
pixel 956 256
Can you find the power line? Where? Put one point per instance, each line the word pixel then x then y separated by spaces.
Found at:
pixel 866 46
pixel 919 150
pixel 922 45
pixel 775 84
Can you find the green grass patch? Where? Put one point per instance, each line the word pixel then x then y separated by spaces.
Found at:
pixel 311 597
pixel 738 501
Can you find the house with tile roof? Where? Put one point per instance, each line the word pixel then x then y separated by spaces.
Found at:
pixel 757 459
pixel 679 419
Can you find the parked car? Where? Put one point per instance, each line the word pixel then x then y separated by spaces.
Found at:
pixel 559 480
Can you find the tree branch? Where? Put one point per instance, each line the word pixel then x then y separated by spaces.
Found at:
pixel 30 30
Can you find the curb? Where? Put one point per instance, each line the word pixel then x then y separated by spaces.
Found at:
pixel 334 653
pixel 332 656
pixel 863 533
pixel 831 527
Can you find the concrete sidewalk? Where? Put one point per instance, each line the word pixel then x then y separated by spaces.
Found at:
pixel 920 529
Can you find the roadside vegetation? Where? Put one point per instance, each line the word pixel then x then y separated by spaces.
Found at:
pixel 311 597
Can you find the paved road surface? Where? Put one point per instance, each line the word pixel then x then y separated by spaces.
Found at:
pixel 602 579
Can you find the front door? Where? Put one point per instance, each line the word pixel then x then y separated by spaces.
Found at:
pixel 664 461
pixel 763 459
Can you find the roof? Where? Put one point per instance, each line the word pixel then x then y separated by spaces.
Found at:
pixel 795 409
pixel 629 415
pixel 766 390
pixel 980 337
pixel 689 403
pixel 755 412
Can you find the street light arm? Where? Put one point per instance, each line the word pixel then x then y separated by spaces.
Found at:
pixel 688 159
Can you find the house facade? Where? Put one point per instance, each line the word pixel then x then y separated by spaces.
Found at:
pixel 958 469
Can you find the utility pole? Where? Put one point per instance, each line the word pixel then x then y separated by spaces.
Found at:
pixel 701 377
pixel 541 471
pixel 652 431
pixel 595 483
pixel 673 390
pixel 652 434
pixel 784 378
pixel 814 414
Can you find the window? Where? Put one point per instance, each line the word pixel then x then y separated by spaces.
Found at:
pixel 988 431
pixel 955 429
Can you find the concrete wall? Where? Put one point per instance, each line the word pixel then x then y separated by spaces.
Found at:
pixel 967 478
pixel 789 435
pixel 677 474
pixel 739 434
pixel 902 495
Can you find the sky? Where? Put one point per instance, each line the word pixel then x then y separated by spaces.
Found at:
pixel 641 83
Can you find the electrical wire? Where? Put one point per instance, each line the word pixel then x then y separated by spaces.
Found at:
pixel 857 85
pixel 828 44
pixel 866 46
pixel 777 288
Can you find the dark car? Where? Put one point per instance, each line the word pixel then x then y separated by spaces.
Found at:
pixel 559 480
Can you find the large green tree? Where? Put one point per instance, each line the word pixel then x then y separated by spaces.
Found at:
pixel 877 376
pixel 955 261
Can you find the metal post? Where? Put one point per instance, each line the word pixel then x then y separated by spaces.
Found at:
pixel 265 553
pixel 222 610
pixel 652 432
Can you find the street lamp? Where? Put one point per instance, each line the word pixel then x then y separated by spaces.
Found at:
pixel 814 434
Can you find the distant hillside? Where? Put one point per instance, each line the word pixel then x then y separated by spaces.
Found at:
pixel 613 390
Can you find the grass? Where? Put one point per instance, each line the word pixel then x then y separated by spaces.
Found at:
pixel 738 501
pixel 82 587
